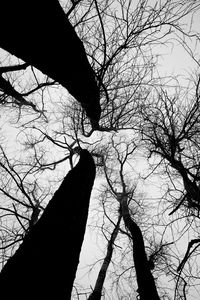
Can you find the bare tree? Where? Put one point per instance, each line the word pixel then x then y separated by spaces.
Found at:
pixel 52 246
pixel 9 95
pixel 66 64
pixel 170 131
pixel 170 128
pixel 119 188
pixel 114 57
pixel 97 292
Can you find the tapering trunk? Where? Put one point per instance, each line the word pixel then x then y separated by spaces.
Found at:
pixel 97 292
pixel 146 284
pixel 45 264
pixel 40 34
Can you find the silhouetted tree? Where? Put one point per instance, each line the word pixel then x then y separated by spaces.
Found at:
pixel 170 132
pixel 146 284
pixel 9 94
pixel 123 40
pixel 118 181
pixel 51 45
pixel 45 264
pixel 97 292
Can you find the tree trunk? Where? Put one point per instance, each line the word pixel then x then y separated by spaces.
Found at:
pixel 146 285
pixel 40 34
pixel 97 292
pixel 45 264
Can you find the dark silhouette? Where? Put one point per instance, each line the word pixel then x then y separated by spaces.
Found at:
pixel 97 292
pixel 7 90
pixel 40 34
pixel 45 264
pixel 146 284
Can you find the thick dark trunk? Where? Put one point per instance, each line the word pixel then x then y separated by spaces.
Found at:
pixel 39 33
pixel 96 295
pixel 146 285
pixel 45 264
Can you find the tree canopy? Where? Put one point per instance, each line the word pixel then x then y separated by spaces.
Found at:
pixel 133 67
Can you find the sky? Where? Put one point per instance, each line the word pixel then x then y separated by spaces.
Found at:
pixel 174 61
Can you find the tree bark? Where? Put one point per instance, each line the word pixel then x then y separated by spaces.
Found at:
pixel 146 285
pixel 40 34
pixel 45 264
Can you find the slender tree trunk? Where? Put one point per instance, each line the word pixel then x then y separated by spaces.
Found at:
pixel 45 264
pixel 146 285
pixel 97 292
